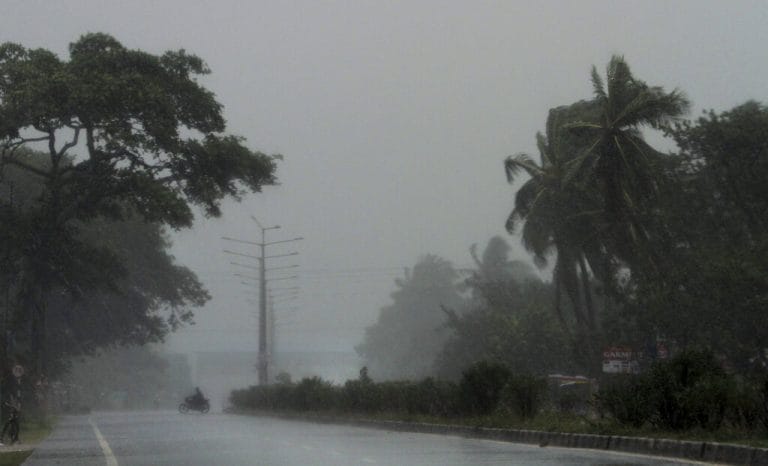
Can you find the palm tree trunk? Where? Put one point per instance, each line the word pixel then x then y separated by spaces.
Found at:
pixel 588 301
pixel 558 308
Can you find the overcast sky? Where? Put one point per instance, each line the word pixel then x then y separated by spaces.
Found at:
pixel 394 118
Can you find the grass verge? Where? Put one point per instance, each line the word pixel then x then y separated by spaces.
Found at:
pixel 31 434
pixel 14 458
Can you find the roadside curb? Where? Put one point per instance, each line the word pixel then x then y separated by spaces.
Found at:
pixel 711 452
pixel 15 448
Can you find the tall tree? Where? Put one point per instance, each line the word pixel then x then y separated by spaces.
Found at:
pixel 728 153
pixel 410 332
pixel 618 159
pixel 558 217
pixel 122 285
pixel 124 130
pixel 509 320
pixel 488 282
pixel 715 293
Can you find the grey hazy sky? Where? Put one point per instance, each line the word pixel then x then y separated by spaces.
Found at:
pixel 394 118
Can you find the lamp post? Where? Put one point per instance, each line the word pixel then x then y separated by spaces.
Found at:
pixel 263 363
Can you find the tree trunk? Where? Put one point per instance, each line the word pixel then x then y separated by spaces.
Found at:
pixel 588 301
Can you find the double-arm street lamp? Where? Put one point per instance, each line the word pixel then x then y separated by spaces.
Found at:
pixel 263 362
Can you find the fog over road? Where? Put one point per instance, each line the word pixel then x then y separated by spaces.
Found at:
pixel 169 438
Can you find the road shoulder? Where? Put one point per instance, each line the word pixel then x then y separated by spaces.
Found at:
pixel 708 452
pixel 72 437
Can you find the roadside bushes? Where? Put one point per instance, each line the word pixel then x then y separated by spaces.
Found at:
pixel 763 400
pixel 524 395
pixel 480 387
pixel 627 399
pixel 689 391
pixel 750 406
pixel 747 408
pixel 313 394
pixel 270 397
pixel 427 397
pixel 484 389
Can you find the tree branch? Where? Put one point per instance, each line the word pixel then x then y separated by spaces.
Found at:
pixel 70 144
pixel 52 151
pixel 28 167
pixel 21 142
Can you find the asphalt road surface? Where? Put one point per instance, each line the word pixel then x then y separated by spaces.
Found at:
pixel 168 438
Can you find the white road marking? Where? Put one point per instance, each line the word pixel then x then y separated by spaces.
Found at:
pixel 368 460
pixel 108 455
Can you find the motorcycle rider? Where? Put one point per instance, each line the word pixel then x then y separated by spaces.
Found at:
pixel 197 398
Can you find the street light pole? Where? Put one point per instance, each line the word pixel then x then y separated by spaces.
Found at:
pixel 263 362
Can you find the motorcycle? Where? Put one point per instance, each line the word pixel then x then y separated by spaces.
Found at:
pixel 190 404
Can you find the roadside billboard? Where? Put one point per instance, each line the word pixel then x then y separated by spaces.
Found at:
pixel 620 360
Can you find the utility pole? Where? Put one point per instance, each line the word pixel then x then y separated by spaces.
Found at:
pixel 263 362
pixel 271 319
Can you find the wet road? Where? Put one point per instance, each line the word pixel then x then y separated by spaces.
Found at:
pixel 169 438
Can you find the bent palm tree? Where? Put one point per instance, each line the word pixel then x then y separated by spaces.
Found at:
pixel 555 216
pixel 618 157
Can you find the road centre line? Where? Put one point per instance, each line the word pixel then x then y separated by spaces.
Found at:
pixel 108 455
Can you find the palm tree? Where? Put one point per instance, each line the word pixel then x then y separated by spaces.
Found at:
pixel 556 218
pixel 617 156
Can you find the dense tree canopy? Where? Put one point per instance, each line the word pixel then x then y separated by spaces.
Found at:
pixel 119 284
pixel 123 127
pixel 714 291
pixel 674 245
pixel 508 321
pixel 126 135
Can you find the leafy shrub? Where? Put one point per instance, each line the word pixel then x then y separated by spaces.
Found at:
pixel 360 395
pixel 760 393
pixel 745 405
pixel 480 387
pixel 523 395
pixel 626 399
pixel 689 390
pixel 440 397
pixel 313 394
pixel 283 378
pixel 572 398
pixel 428 397
pixel 263 397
